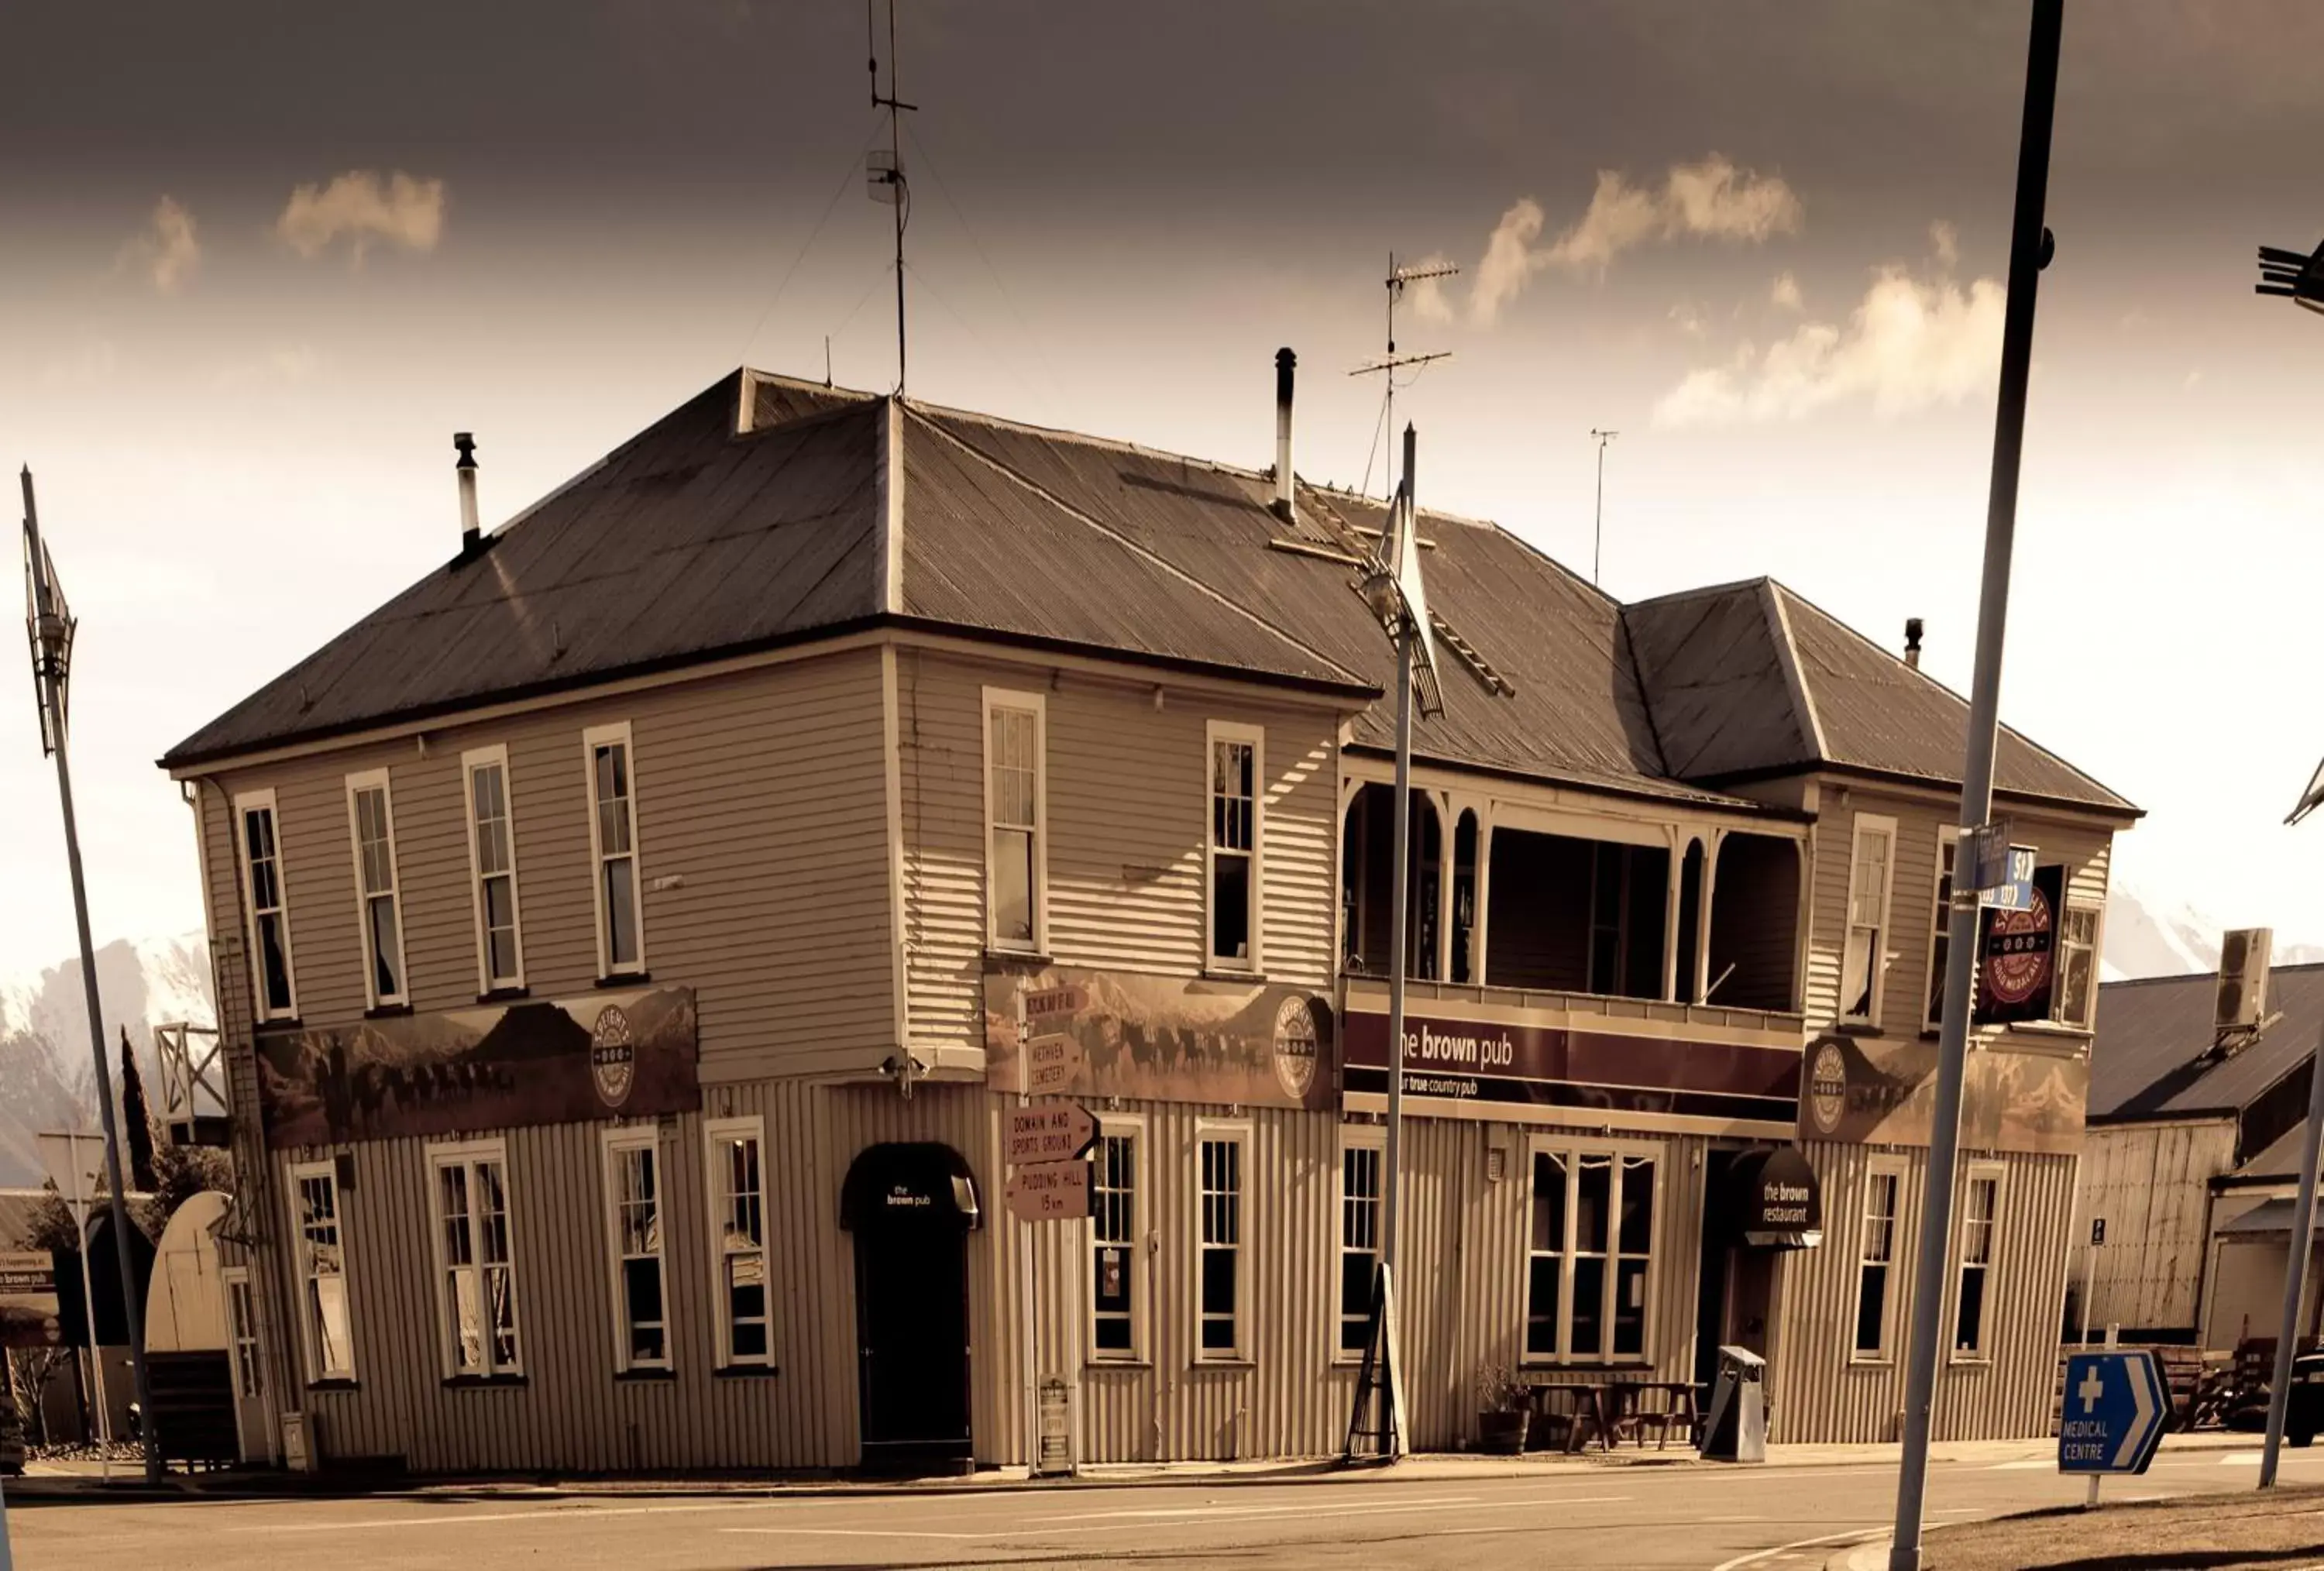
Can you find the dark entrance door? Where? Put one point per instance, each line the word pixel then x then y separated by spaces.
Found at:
pixel 910 1207
pixel 1711 1289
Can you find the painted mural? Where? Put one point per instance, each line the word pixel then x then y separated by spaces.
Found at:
pixel 1880 1092
pixel 603 1055
pixel 1065 1031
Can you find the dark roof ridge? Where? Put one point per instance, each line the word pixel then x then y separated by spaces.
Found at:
pixel 1898 661
pixel 1738 587
pixel 1146 553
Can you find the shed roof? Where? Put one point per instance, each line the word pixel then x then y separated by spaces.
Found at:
pixel 2150 1059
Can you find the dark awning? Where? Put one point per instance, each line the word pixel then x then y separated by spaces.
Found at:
pixel 920 1181
pixel 1774 1201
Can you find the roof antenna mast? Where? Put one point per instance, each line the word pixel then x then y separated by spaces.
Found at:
pixel 1598 514
pixel 1389 364
pixel 884 171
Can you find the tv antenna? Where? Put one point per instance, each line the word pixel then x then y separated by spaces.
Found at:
pixel 884 170
pixel 1598 516
pixel 1389 364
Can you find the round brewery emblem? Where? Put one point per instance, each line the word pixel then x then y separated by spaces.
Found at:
pixel 613 1061
pixel 1828 1087
pixel 2017 952
pixel 1294 1047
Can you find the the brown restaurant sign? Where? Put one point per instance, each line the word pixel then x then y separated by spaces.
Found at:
pixel 1549 1059
pixel 603 1055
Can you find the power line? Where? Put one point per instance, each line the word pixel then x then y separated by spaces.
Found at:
pixel 814 235
pixel 920 151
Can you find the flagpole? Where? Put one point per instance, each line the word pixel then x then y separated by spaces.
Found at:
pixel 52 634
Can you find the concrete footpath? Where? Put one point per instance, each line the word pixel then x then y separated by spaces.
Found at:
pixel 46 1482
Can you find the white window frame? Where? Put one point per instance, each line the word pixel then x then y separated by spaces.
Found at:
pixel 1973 1174
pixel 376 779
pixel 1353 1137
pixel 471 762
pixel 468 1155
pixel 615 734
pixel 1940 924
pixel 1209 1131
pixel 1036 704
pixel 715 1134
pixel 2097 914
pixel 1899 1253
pixel 1255 738
pixel 244 804
pixel 245 1351
pixel 618 1141
pixel 310 1341
pixel 1575 1149
pixel 1115 1126
pixel 1877 956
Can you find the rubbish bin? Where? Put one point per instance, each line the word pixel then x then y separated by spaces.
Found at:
pixel 2303 1410
pixel 1735 1429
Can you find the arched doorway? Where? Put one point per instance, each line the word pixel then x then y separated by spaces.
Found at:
pixel 911 1207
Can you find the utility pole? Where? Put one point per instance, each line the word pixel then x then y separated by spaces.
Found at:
pixel 2029 252
pixel 1598 516
pixel 49 624
pixel 886 178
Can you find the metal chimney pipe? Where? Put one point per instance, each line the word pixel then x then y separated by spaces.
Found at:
pixel 1912 642
pixel 1284 363
pixel 470 531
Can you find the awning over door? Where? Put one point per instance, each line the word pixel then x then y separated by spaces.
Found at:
pixel 1774 1201
pixel 915 1180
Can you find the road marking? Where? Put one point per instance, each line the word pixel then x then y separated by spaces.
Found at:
pixel 1238 1517
pixel 1227 1510
pixel 548 1513
pixel 1762 1556
pixel 2022 1466
pixel 2240 1459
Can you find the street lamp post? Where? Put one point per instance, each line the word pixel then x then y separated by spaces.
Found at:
pixel 48 623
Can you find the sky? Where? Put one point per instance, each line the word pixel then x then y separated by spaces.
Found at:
pixel 259 261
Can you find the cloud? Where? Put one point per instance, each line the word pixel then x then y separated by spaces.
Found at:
pixel 1785 293
pixel 358 207
pixel 285 365
pixel 1908 344
pixel 1945 242
pixel 1713 200
pixel 168 251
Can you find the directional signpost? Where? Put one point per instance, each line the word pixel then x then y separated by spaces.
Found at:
pixel 2116 1407
pixel 1048 1181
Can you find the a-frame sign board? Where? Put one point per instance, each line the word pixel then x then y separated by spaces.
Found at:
pixel 1375 1426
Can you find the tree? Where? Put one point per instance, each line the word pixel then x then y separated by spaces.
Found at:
pixel 137 1119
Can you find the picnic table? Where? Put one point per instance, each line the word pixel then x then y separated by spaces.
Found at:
pixel 1612 1409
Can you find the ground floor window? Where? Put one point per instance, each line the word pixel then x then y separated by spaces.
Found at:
pixel 477 1268
pixel 1590 1259
pixel 1876 1260
pixel 1359 1235
pixel 1980 1218
pixel 738 1260
pixel 242 1329
pixel 1219 1273
pixel 1114 1328
pixel 322 1265
pixel 633 1218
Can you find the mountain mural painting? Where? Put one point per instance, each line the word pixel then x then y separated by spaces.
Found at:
pixel 601 1056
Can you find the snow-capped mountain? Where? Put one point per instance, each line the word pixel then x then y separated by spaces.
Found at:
pixel 2152 935
pixel 46 1079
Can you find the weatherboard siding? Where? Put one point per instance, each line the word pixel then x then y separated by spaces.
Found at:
pixel 1128 799
pixel 763 852
pixel 2151 1182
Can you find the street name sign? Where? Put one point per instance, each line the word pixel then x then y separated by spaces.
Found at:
pixel 2116 1407
pixel 2015 891
pixel 1049 1191
pixel 1054 1134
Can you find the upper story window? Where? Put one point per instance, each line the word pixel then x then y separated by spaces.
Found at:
pixel 1864 962
pixel 613 847
pixel 492 865
pixel 274 985
pixel 371 820
pixel 1016 810
pixel 1232 877
pixel 2076 991
pixel 1940 927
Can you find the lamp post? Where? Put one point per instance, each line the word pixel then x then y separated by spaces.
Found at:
pixel 49 624
pixel 2300 279
pixel 2303 1216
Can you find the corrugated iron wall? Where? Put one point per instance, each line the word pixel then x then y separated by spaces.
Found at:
pixel 1818 1391
pixel 2152 1183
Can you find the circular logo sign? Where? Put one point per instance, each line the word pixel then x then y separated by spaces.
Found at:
pixel 2017 952
pixel 1296 1047
pixel 613 1060
pixel 1828 1087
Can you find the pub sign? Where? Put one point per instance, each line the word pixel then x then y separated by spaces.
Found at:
pixel 2017 953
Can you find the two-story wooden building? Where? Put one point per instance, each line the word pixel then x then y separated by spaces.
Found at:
pixel 632 937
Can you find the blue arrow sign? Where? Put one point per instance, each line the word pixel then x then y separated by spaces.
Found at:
pixel 2116 1407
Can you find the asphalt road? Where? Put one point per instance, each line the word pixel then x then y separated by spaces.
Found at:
pixel 1703 1519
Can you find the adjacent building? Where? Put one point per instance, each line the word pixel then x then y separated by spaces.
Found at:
pixel 2192 1158
pixel 633 937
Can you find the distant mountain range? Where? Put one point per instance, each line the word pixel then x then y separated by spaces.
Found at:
pixel 2147 934
pixel 47 1080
